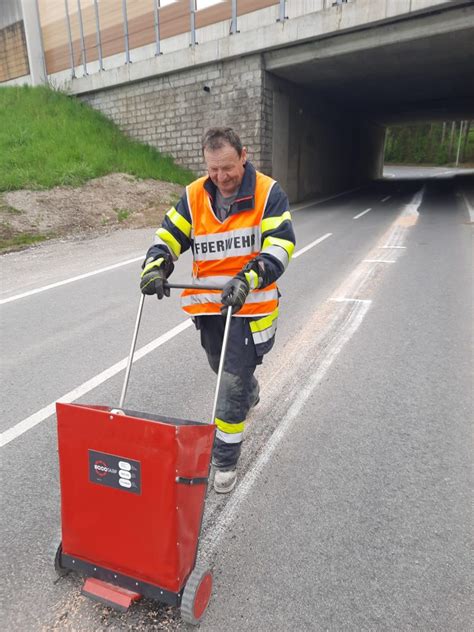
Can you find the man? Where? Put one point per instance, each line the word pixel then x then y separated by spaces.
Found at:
pixel 238 225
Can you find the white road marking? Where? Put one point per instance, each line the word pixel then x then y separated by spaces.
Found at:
pixel 470 210
pixel 386 198
pixel 377 261
pixel 407 218
pixel 350 300
pixel 33 420
pixel 363 213
pixel 225 519
pixel 70 280
pixel 390 247
pixel 311 245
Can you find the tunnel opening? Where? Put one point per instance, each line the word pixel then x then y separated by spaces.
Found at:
pixel 336 101
pixel 447 143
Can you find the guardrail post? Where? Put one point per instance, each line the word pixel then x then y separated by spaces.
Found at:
pixel 71 49
pixel 81 30
pixel 156 8
pixel 233 22
pixel 192 10
pixel 282 17
pixel 461 129
pixel 125 31
pixel 97 34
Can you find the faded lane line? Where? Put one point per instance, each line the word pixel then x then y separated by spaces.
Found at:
pixel 378 261
pixel 363 213
pixel 353 284
pixel 210 542
pixel 351 300
pixel 386 198
pixel 311 245
pixel 71 280
pixel 33 420
pixel 470 209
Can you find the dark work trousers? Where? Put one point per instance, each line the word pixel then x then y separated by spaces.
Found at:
pixel 239 389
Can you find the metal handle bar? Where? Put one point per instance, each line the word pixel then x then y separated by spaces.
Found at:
pixel 185 286
pixel 134 342
pixel 221 362
pixel 132 350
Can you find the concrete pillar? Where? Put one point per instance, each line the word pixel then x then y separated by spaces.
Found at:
pixel 34 42
pixel 280 143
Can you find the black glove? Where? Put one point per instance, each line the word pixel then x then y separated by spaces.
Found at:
pixel 234 293
pixel 256 273
pixel 153 277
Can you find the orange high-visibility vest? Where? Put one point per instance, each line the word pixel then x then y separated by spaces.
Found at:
pixel 222 249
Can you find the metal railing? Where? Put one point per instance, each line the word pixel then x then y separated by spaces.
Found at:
pixel 155 6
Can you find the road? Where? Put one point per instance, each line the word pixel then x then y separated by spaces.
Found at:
pixel 352 508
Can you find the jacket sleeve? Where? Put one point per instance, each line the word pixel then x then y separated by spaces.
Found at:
pixel 278 237
pixel 174 235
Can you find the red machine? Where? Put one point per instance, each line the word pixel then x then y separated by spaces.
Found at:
pixel 133 487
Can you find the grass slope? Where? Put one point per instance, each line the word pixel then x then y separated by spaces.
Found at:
pixel 48 138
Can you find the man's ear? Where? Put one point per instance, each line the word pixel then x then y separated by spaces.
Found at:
pixel 244 155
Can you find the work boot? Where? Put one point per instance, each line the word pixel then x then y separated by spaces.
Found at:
pixel 224 481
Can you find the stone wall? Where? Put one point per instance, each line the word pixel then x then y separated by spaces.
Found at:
pixel 172 112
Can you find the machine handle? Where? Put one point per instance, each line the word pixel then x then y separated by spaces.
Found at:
pixel 187 286
pixel 221 362
pixel 134 342
pixel 132 351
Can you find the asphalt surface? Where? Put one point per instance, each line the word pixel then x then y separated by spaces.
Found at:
pixel 352 509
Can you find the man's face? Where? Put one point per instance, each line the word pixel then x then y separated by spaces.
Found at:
pixel 225 168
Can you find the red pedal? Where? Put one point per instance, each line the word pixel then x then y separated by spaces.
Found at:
pixel 109 594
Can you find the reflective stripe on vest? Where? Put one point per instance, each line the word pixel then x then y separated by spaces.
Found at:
pixel 205 296
pixel 234 243
pixel 222 249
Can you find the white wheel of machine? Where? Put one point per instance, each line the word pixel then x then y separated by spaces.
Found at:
pixel 196 594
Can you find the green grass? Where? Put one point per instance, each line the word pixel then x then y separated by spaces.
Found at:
pixel 19 241
pixel 48 138
pixel 424 143
pixel 122 214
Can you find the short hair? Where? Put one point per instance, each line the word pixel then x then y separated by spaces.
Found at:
pixel 216 137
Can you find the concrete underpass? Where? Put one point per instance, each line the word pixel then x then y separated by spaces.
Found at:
pixel 311 94
pixel 332 98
